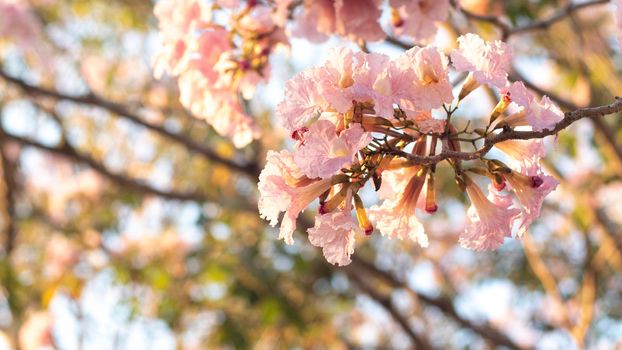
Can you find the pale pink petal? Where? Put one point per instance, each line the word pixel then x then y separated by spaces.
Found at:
pixel 324 152
pixel 393 222
pixel 490 222
pixel 488 61
pixel 358 19
pixel 531 186
pixel 540 115
pixel 283 188
pixel 335 233
pixel 522 152
pixel 302 102
pixel 419 17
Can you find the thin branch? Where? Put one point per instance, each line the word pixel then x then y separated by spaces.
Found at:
pixel 124 181
pixel 418 341
pixel 444 304
pixel 505 135
pixel 91 99
pixel 508 31
pixel 560 15
pixel 8 177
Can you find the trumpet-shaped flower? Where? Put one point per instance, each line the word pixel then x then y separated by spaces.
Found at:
pixel 540 115
pixel 335 233
pixel 522 152
pixel 395 217
pixel 488 61
pixel 431 85
pixel 531 186
pixel 490 221
pixel 417 18
pixel 325 151
pixel 283 188
pixel 354 19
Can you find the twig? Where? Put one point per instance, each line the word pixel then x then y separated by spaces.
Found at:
pixel 122 180
pixel 444 304
pixel 505 135
pixel 250 169
pixel 418 341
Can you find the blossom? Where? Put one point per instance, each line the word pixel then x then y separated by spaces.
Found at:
pixel 531 186
pixel 335 233
pixel 432 87
pixel 619 21
pixel 540 115
pixel 417 18
pixel 490 221
pixel 355 19
pixel 522 152
pixel 487 61
pixel 395 217
pixel 325 151
pixel 283 188
pixel 302 100
pixel 218 107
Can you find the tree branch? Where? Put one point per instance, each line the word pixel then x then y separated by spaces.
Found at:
pixel 507 30
pixel 418 341
pixel 445 305
pixel 8 177
pixel 91 99
pixel 505 135
pixel 69 152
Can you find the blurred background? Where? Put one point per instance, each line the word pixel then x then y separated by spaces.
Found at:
pixel 128 224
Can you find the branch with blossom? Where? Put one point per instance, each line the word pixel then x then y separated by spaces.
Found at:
pixel 366 118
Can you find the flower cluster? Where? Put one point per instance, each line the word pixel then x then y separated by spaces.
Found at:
pixel 217 63
pixel 360 19
pixel 367 118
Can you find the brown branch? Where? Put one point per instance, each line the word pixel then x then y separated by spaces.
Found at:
pixel 8 177
pixel 444 304
pixel 507 30
pixel 505 135
pixel 418 340
pixel 124 181
pixel 560 15
pixel 91 99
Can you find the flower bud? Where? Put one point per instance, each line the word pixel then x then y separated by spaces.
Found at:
pixel 469 85
pixel 361 215
pixel 430 196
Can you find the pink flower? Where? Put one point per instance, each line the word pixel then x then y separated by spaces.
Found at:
pixel 336 78
pixel 324 151
pixel 220 108
pixel 302 102
pixel 488 61
pixel 522 152
pixel 619 21
pixel 179 17
pixel 358 19
pixel 540 115
pixel 283 188
pixel 355 19
pixel 395 217
pixel 417 18
pixel 531 186
pixel 490 222
pixel 335 233
pixel 432 86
